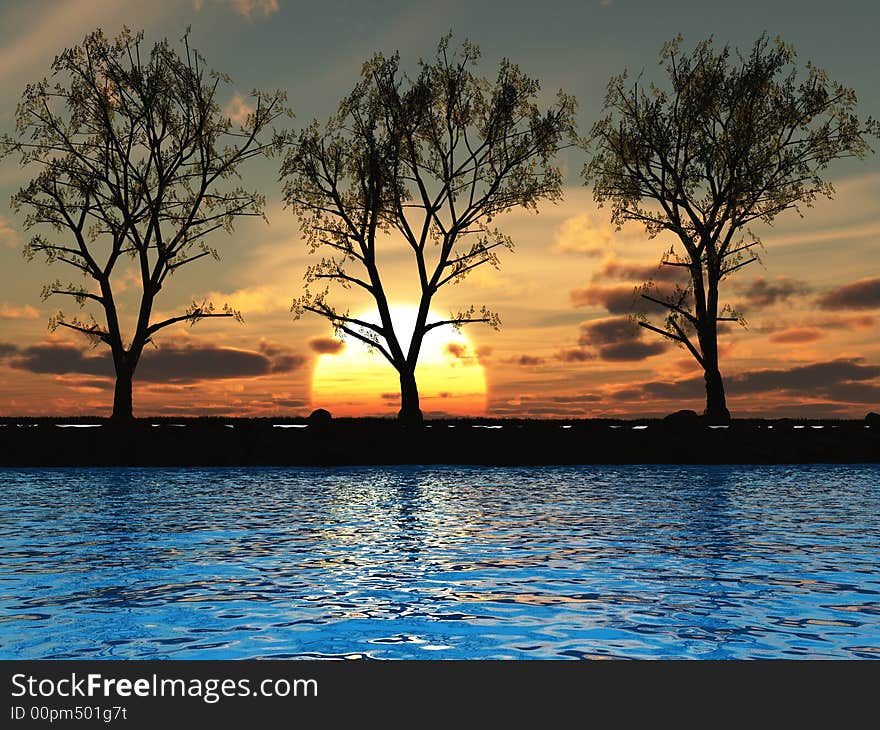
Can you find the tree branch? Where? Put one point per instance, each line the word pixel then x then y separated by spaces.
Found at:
pixel 90 331
pixel 669 305
pixel 455 322
pixel 725 272
pixel 193 316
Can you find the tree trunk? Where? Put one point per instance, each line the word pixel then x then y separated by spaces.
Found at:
pixel 707 331
pixel 716 404
pixel 122 408
pixel 409 399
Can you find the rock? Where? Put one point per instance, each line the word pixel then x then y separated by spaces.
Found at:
pixel 320 417
pixel 873 420
pixel 682 418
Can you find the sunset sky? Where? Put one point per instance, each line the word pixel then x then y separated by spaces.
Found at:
pixel 812 305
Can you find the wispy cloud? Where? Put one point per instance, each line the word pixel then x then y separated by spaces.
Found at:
pixel 39 38
pixel 238 109
pixel 255 300
pixel 246 8
pixel 8 235
pixel 526 361
pixel 9 311
pixel 797 336
pixel 584 235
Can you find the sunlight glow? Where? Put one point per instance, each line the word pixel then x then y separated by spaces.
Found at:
pixel 357 382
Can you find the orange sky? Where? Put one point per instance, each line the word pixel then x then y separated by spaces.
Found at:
pixel 812 304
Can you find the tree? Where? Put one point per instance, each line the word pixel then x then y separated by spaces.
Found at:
pixel 431 159
pixel 734 139
pixel 134 158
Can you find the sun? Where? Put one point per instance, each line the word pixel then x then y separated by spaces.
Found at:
pixel 358 382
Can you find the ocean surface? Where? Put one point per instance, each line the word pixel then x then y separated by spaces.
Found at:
pixel 445 562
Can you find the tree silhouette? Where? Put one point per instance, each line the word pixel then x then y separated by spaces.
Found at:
pixel 734 139
pixel 134 158
pixel 432 159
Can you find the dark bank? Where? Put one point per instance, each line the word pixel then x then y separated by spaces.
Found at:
pixel 363 441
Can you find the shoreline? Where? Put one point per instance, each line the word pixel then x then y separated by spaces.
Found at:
pixel 83 442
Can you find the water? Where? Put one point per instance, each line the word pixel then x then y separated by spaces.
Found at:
pixel 441 562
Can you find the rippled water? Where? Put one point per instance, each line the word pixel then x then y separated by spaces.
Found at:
pixel 441 562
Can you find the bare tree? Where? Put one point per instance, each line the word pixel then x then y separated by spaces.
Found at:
pixel 134 158
pixel 734 139
pixel 433 160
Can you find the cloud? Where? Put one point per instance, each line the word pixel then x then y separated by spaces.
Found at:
pixel 632 351
pixel 848 322
pixel 457 350
pixel 246 8
pixel 8 235
pixel 461 352
pixel 9 311
pixel 763 293
pixel 255 300
pixel 175 364
pixel 581 234
pixel 608 331
pixel 60 358
pixel 86 384
pixel 863 294
pixel 853 392
pixel 845 379
pixel 281 358
pixel 618 339
pixel 625 270
pixel 551 411
pixel 35 41
pixel 797 335
pixel 688 389
pixel 171 363
pixel 575 354
pixel 579 398
pixel 621 299
pixel 326 345
pixel 7 349
pixel 804 378
pixel 544 405
pixel 238 109
pixel 841 322
pixel 289 402
pixel 524 360
pixel 616 299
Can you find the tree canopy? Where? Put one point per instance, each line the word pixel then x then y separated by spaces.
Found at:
pixel 433 160
pixel 135 160
pixel 731 140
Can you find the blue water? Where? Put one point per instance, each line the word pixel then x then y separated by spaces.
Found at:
pixel 441 562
